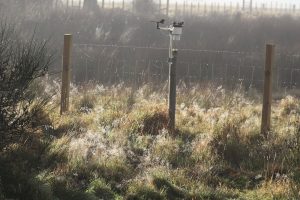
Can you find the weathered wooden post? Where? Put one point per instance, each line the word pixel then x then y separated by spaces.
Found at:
pixel 168 7
pixel 294 8
pixel 103 4
pixel 123 5
pixel 133 5
pixel 267 96
pixel 56 4
pixel 66 74
pixel 79 4
pixel 172 90
pixel 159 6
pixel 271 7
pixel 243 5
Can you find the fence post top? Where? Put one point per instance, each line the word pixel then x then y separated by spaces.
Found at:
pixel 270 45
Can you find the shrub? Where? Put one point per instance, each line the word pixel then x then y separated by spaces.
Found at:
pixel 149 122
pixel 21 62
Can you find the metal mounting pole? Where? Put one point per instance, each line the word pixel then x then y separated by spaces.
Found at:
pixel 172 89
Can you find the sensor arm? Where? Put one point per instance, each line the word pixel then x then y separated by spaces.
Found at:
pixel 165 28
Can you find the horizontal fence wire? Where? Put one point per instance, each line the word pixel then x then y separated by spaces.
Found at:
pixel 137 65
pixel 161 48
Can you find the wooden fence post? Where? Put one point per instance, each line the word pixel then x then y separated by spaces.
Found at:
pixel 79 4
pixel 294 8
pixel 267 96
pixel 133 5
pixel 159 6
pixel 172 90
pixel 56 4
pixel 66 74
pixel 168 7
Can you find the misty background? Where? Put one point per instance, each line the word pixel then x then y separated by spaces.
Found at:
pixel 118 43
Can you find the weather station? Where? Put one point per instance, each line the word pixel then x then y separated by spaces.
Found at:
pixel 175 32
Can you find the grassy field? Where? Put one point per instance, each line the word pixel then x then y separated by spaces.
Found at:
pixel 113 144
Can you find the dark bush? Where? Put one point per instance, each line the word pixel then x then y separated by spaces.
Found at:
pixel 21 63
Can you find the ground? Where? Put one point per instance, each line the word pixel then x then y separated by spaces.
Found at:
pixel 114 144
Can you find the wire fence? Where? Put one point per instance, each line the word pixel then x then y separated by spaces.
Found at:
pixel 112 64
pixel 199 7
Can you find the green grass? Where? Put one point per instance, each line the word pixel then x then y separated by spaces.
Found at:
pixel 114 144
